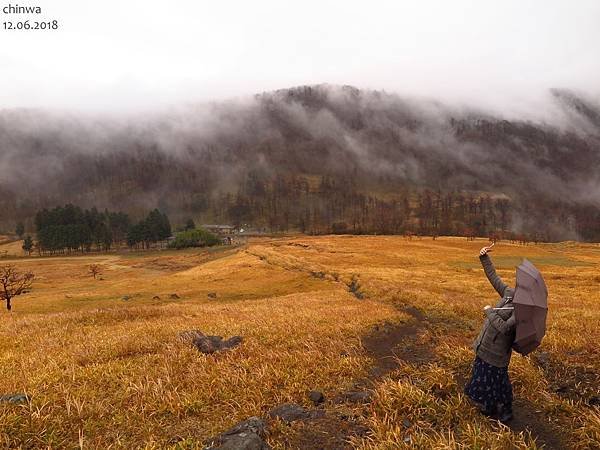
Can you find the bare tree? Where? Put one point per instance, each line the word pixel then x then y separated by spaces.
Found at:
pixel 13 283
pixel 95 270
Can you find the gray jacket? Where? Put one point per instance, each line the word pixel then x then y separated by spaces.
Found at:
pixel 494 343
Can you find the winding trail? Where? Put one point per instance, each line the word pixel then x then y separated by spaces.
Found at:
pixel 387 344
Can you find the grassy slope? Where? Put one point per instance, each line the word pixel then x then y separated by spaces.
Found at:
pixel 12 248
pixel 102 371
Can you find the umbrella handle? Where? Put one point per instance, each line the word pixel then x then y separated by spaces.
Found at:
pixel 508 307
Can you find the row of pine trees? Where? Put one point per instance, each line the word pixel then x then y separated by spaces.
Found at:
pixel 69 228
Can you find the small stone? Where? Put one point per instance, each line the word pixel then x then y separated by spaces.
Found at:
pixel 212 295
pixel 289 412
pixel 156 297
pixel 407 439
pixel 316 397
pixel 174 296
pixel 357 396
pixel 14 398
pixel 406 423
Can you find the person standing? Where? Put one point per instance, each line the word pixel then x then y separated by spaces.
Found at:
pixel 490 387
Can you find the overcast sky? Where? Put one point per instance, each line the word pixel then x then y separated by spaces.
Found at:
pixel 115 54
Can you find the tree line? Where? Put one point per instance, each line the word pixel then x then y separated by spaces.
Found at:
pixel 69 228
pixel 321 205
pixel 332 204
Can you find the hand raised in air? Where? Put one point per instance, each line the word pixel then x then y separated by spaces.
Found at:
pixel 485 250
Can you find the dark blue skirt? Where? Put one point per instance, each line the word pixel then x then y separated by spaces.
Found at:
pixel 490 387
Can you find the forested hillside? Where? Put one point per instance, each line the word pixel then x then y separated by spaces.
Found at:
pixel 317 159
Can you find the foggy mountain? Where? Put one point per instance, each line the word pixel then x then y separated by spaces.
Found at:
pixel 314 158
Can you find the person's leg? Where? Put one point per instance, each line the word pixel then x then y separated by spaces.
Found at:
pixel 479 388
pixel 476 395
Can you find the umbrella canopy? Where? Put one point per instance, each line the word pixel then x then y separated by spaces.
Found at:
pixel 531 308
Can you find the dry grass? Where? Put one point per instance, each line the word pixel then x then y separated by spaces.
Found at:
pixel 108 373
pixel 9 247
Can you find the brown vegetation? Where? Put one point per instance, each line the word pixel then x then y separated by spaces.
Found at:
pixel 102 372
pixel 94 270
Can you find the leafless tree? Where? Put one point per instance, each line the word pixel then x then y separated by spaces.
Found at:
pixel 13 283
pixel 95 270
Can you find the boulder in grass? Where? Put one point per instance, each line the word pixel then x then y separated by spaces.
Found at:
pixel 209 344
pixel 174 297
pixel 15 398
pixel 243 441
pixel 246 435
pixel 212 295
pixel 156 297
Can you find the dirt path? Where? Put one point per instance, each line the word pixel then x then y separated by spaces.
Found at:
pixel 387 344
pixel 527 419
pixel 390 342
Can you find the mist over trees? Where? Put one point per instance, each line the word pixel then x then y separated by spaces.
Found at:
pixel 317 159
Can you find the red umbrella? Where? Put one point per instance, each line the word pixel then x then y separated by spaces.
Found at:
pixel 531 308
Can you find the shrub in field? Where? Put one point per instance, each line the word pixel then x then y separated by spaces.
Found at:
pixel 95 270
pixel 194 238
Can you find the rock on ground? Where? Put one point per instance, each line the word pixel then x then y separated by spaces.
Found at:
pixel 316 397
pixel 355 397
pixel 289 412
pixel 244 441
pixel 209 344
pixel 246 435
pixel 14 398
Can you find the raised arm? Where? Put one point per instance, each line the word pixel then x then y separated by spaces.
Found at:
pixel 490 271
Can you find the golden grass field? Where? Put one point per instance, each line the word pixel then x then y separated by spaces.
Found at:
pixel 105 373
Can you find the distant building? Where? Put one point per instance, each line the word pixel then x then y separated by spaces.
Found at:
pixel 221 229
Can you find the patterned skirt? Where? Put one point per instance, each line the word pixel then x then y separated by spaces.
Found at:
pixel 490 387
